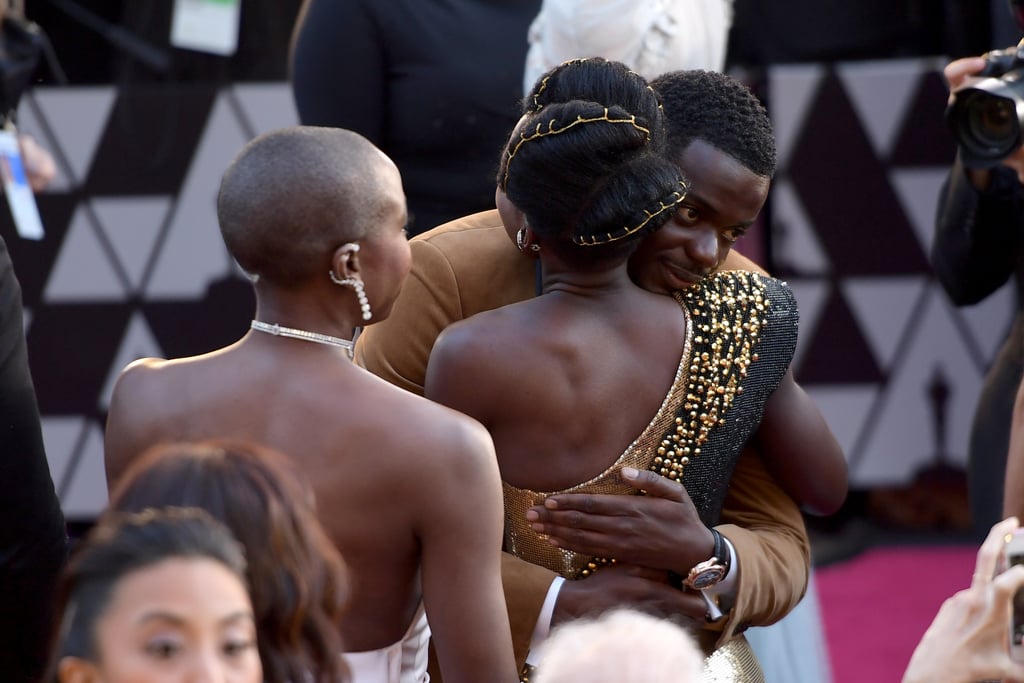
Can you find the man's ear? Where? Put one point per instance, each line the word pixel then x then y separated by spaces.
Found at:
pixel 345 261
pixel 77 670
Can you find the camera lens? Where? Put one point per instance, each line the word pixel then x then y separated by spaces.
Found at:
pixel 989 124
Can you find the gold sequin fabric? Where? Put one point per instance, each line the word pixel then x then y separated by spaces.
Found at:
pixel 734 662
pixel 745 333
pixel 741 334
pixel 524 542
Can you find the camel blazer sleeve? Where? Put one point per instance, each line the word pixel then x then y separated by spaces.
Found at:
pixel 767 530
pixel 398 347
pixel 460 268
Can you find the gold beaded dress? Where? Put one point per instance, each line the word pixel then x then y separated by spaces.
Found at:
pixel 741 334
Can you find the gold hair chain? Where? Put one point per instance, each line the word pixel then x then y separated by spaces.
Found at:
pixel 539 132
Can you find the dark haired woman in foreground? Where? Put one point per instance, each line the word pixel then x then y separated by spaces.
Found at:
pixel 156 597
pixel 297 578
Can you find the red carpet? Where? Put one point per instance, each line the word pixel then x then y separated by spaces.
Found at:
pixel 876 606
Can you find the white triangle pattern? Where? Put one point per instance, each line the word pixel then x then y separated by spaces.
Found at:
pixel 880 92
pixel 901 439
pixel 918 192
pixel 82 271
pixel 883 308
pixel 988 321
pixel 78 117
pixel 267 106
pixel 193 256
pixel 87 494
pixel 60 436
pixel 138 342
pixel 132 225
pixel 795 244
pixel 792 89
pixel 811 295
pixel 29 124
pixel 845 409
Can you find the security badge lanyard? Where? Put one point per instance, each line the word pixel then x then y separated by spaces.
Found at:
pixel 20 198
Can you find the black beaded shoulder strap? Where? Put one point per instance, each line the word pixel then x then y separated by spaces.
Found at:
pixel 748 333
pixel 727 312
pixel 743 338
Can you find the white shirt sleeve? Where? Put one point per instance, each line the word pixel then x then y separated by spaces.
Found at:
pixel 727 586
pixel 543 627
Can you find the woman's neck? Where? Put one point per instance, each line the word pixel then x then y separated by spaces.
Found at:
pixel 303 310
pixel 611 282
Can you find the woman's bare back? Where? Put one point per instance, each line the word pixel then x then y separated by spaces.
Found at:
pixel 371 451
pixel 584 378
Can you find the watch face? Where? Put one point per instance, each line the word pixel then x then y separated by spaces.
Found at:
pixel 705 575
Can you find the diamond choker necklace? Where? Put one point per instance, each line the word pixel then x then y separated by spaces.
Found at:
pixel 315 337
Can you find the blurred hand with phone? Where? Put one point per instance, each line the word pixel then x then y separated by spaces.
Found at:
pixel 970 638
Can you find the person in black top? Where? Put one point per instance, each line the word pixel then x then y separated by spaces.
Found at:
pixel 33 541
pixel 33 538
pixel 435 85
pixel 979 247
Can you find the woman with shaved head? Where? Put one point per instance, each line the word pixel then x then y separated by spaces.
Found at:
pixel 316 216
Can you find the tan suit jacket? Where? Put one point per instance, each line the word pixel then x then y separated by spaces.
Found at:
pixel 471 265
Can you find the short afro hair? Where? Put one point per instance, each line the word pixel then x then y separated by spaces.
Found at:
pixel 721 111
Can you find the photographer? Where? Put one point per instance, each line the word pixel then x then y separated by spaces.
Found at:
pixel 979 245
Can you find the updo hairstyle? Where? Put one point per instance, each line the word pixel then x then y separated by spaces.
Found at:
pixel 591 179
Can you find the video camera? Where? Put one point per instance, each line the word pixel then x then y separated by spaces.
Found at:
pixel 987 111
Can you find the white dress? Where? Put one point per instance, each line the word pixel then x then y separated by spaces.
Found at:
pixel 650 36
pixel 401 662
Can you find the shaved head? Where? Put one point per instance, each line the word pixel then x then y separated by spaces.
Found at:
pixel 292 196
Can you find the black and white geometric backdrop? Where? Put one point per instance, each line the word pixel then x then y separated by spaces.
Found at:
pixel 894 366
pixel 132 263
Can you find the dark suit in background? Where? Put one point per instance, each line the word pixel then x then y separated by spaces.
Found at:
pixel 33 541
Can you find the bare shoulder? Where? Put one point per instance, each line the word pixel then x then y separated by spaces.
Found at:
pixel 447 433
pixel 134 410
pixel 468 359
pixel 476 339
pixel 454 459
pixel 432 438
pixel 138 384
pixel 143 382
pixel 149 398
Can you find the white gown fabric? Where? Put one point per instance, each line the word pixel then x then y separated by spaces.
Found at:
pixel 401 662
pixel 651 36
